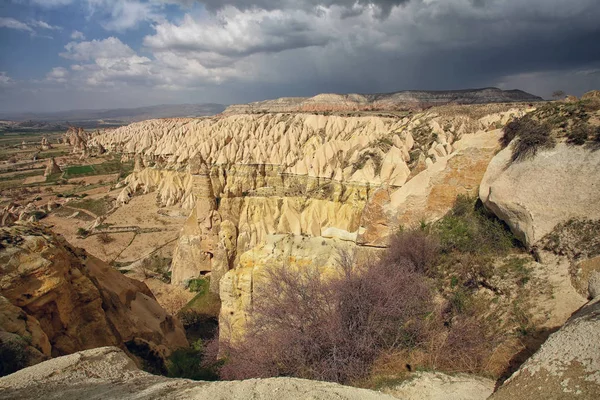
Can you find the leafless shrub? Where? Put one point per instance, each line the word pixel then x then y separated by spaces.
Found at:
pixel 311 326
pixel 414 246
pixel 104 238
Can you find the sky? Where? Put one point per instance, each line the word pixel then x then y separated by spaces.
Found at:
pixel 84 54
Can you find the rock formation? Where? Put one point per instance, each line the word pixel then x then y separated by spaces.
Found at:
pixel 51 168
pixel 301 185
pixel 410 99
pixel 567 366
pixel 78 301
pixel 534 196
pixel 77 138
pixel 198 249
pixel 107 373
pixel 45 144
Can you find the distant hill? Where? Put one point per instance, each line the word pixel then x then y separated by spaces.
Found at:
pixel 404 100
pixel 121 116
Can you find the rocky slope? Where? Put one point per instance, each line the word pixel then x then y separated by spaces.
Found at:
pixel 567 365
pixel 107 373
pixel 404 100
pixel 57 300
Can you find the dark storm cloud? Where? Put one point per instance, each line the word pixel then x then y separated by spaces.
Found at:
pixel 245 50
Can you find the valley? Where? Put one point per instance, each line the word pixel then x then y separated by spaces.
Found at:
pixel 181 224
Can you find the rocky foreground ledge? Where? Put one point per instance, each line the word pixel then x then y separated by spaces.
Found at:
pixel 107 373
pixel 566 366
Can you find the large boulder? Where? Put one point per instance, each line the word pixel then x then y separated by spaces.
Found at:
pixel 567 365
pixel 77 301
pixel 107 373
pixel 534 196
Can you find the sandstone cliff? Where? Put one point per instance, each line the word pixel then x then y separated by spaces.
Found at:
pixel 66 300
pixel 301 184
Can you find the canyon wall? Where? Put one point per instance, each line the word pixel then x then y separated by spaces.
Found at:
pixel 286 189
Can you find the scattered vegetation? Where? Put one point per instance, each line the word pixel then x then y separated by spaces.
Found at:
pixel 98 207
pixel 366 156
pixel 82 233
pixel 104 238
pixel 191 363
pixel 198 285
pixel 550 123
pixel 576 238
pixel 157 267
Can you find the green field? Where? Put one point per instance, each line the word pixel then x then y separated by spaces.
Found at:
pixel 109 167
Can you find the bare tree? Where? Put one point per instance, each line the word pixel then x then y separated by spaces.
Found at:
pixel 558 94
pixel 307 325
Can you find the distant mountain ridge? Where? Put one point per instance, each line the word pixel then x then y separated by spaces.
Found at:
pixel 119 116
pixel 403 100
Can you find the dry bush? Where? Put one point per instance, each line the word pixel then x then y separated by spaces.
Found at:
pixel 104 238
pixel 310 326
pixel 536 136
pixel 416 246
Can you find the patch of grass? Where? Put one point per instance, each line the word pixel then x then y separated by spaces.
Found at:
pixel 204 303
pixel 106 168
pixel 190 364
pixel 104 238
pixel 198 285
pixel 78 170
pixel 467 228
pixel 98 207
pixel 517 266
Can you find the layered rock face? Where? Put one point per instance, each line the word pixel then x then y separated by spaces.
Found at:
pixel 281 189
pixel 409 99
pixel 66 300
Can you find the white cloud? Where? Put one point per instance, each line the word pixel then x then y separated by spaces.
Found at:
pixel 298 47
pixel 12 23
pixel 235 33
pixel 45 25
pixel 58 75
pixel 111 47
pixel 77 35
pixel 122 15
